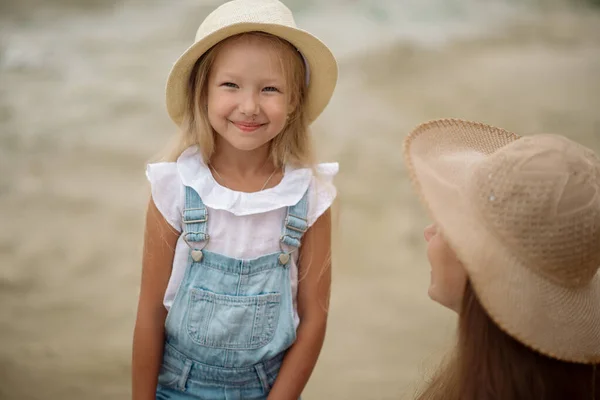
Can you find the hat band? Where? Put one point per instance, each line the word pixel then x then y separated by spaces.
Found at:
pixel 307 67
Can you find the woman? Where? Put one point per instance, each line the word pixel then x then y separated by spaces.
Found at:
pixel 515 250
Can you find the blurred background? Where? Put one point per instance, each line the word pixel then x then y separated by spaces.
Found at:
pixel 82 112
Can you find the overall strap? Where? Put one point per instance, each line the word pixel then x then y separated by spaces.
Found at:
pixel 295 224
pixel 194 218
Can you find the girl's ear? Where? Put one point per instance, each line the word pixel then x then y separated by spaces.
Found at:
pixel 290 110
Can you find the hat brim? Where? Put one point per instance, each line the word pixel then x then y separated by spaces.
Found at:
pixel 560 322
pixel 321 62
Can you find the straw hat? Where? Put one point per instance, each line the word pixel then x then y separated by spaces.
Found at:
pixel 270 16
pixel 523 215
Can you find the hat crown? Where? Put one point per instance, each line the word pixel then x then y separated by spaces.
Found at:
pixel 541 196
pixel 246 11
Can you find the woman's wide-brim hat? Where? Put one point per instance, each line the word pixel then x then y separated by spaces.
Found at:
pixel 523 216
pixel 269 16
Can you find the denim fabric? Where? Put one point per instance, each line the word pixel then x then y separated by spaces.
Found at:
pixel 232 320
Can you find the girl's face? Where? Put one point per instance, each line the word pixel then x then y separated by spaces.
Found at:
pixel 448 276
pixel 247 100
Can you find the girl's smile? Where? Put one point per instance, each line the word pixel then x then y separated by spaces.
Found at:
pixel 247 127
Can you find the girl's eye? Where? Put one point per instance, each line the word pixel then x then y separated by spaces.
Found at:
pixel 229 85
pixel 271 89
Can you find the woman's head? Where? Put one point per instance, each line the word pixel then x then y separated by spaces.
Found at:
pixel 247 92
pixel 514 250
pixel 521 216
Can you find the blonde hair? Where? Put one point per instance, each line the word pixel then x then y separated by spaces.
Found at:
pixel 293 145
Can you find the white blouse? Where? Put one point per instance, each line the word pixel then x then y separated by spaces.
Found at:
pixel 241 225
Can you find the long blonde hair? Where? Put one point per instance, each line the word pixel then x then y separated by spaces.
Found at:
pixel 292 146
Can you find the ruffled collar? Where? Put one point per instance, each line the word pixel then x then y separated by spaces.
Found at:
pixel 196 174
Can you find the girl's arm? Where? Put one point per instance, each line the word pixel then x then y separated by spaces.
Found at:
pixel 314 283
pixel 160 239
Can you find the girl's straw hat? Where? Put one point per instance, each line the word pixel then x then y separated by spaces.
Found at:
pixel 523 215
pixel 270 16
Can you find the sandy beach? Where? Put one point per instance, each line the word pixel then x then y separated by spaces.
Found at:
pixel 82 112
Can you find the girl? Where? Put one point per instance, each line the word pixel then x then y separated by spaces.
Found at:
pixel 236 268
pixel 515 251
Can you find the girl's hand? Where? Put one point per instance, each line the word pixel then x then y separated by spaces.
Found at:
pixel 314 284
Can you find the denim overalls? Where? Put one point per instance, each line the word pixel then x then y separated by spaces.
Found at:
pixel 232 320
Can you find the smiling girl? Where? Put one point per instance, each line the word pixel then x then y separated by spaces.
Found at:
pixel 236 269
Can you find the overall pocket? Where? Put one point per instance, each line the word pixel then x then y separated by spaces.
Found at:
pixel 232 322
pixel 168 377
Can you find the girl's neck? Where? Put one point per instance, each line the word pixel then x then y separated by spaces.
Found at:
pixel 239 163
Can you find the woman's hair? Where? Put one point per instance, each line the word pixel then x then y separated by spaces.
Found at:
pixel 293 145
pixel 488 364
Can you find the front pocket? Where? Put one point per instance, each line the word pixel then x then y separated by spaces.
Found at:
pixel 232 322
pixel 167 377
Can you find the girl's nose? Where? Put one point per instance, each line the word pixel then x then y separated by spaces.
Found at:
pixel 249 105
